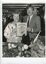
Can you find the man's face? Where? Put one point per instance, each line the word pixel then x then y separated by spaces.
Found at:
pixel 29 11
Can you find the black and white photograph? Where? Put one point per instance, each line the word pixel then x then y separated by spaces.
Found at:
pixel 23 30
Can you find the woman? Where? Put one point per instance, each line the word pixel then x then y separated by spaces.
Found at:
pixel 11 30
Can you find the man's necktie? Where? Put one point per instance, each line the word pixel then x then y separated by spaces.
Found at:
pixel 28 22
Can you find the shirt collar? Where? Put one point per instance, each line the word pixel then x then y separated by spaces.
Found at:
pixel 31 16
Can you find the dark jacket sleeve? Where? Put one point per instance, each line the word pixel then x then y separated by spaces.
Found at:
pixel 38 24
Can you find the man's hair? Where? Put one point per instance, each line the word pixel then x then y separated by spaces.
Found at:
pixel 30 6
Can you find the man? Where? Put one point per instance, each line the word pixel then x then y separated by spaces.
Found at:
pixel 33 21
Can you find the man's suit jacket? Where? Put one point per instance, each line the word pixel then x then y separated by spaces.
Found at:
pixel 34 23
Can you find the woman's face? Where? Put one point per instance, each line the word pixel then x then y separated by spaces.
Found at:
pixel 16 17
pixel 29 11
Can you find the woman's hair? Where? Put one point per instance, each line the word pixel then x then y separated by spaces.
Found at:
pixel 8 20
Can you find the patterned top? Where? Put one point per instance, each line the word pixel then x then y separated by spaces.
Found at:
pixel 10 33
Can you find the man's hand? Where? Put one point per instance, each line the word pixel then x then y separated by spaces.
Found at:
pixel 30 29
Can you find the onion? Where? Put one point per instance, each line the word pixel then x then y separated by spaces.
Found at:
pixel 25 46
